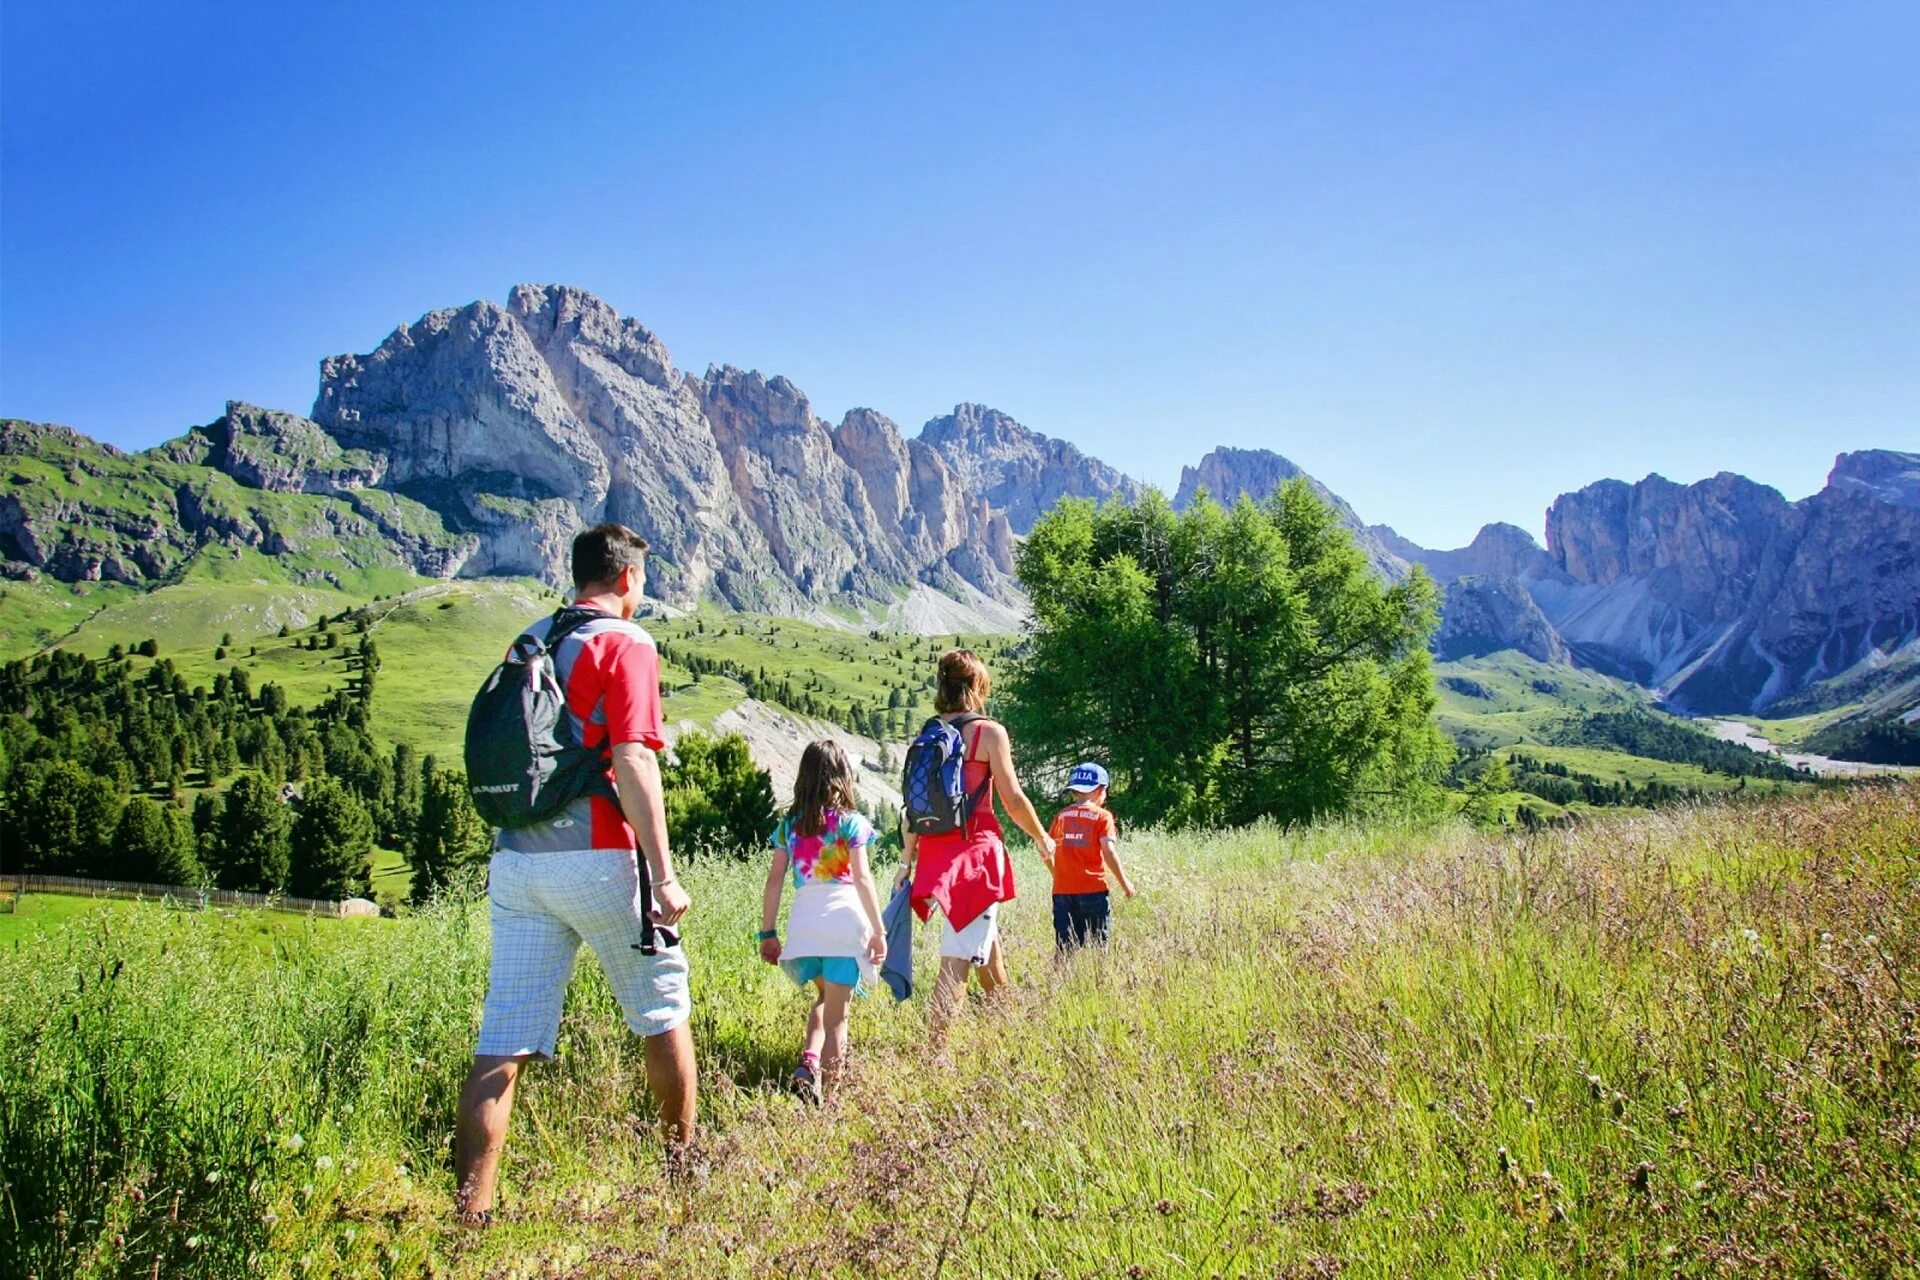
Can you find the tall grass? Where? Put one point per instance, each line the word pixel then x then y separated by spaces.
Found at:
pixel 1671 1043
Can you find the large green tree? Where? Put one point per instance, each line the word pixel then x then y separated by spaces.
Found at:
pixel 1228 664
pixel 60 819
pixel 449 834
pixel 155 844
pixel 251 849
pixel 331 846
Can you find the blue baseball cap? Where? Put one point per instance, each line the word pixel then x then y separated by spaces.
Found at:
pixel 1087 777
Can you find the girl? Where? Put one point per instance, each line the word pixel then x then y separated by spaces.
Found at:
pixel 834 937
pixel 966 873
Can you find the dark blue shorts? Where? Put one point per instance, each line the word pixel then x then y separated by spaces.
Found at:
pixel 1081 918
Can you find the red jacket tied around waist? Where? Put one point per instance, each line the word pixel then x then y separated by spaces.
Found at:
pixel 966 871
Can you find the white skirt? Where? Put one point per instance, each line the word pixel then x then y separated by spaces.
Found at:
pixel 828 920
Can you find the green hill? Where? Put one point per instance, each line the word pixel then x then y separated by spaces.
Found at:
pixel 438 639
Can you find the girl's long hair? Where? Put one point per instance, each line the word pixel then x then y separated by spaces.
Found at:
pixel 825 781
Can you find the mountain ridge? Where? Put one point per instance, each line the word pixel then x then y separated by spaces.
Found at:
pixel 476 440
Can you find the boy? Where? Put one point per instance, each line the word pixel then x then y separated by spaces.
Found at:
pixel 1083 854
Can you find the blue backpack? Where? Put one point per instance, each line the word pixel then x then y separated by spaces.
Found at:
pixel 933 784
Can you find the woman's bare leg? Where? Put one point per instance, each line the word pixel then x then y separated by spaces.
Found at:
pixel 993 974
pixel 948 989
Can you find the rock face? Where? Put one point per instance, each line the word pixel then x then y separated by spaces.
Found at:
pixel 552 409
pixel 1878 473
pixel 1018 470
pixel 526 422
pixel 843 511
pixel 80 511
pixel 1227 474
pixel 1485 614
pixel 1724 595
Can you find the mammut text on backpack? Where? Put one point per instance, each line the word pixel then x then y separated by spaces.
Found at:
pixel 933 784
pixel 524 762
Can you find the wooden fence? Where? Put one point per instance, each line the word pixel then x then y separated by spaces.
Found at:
pixel 182 895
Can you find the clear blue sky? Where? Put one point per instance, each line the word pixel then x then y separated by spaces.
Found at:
pixel 1453 259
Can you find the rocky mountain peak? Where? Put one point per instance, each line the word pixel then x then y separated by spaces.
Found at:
pixel 557 316
pixel 1885 475
pixel 1708 532
pixel 1018 470
pixel 1227 474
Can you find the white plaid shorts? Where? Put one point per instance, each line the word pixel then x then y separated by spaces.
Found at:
pixel 543 905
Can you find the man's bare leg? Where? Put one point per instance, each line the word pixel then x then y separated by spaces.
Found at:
pixel 486 1104
pixel 671 1075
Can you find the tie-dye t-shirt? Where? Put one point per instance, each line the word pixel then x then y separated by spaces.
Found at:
pixel 826 858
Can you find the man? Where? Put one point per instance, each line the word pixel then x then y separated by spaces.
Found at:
pixel 575 878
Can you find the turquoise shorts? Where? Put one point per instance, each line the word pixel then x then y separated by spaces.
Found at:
pixel 843 970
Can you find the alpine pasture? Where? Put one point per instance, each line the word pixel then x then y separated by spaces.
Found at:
pixel 1678 1043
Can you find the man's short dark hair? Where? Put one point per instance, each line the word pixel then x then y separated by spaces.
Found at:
pixel 600 553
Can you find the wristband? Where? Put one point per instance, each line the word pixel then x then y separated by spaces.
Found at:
pixel 767 935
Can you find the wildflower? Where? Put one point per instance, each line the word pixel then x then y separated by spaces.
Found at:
pixel 213 1177
pixel 294 1142
pixel 193 1242
pixel 324 1162
pixel 1596 1086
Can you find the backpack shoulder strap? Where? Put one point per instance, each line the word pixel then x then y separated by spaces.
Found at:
pixel 568 620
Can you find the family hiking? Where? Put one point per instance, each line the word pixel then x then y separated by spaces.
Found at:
pixel 562 759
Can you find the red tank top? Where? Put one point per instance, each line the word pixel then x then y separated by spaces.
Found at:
pixel 978 774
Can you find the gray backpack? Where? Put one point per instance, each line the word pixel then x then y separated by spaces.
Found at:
pixel 525 764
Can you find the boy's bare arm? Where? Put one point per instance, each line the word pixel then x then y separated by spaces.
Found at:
pixel 1111 852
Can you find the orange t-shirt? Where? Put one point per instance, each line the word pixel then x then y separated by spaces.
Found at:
pixel 1079 862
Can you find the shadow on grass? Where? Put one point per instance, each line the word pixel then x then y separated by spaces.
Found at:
pixel 752 1057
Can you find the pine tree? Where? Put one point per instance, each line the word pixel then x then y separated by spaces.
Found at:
pixel 331 845
pixel 61 819
pixel 449 835
pixel 251 848
pixel 154 844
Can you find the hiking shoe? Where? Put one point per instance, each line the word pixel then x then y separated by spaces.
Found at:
pixel 806 1083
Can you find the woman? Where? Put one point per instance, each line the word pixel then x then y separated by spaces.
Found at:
pixel 966 872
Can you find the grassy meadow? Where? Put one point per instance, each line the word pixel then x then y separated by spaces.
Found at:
pixel 1672 1043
